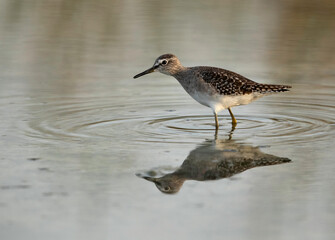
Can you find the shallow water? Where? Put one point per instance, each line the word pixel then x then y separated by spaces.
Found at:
pixel 77 129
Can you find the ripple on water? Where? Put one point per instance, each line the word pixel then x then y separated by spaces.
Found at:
pixel 301 119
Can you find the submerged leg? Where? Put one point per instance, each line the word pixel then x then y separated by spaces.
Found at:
pixel 231 131
pixel 234 122
pixel 216 121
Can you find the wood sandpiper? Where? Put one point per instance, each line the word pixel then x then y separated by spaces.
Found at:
pixel 213 87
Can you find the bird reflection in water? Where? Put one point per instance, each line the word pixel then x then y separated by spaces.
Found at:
pixel 213 160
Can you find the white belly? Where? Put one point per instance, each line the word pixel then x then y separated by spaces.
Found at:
pixel 221 102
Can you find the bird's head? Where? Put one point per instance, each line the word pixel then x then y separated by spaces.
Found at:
pixel 167 64
pixel 169 183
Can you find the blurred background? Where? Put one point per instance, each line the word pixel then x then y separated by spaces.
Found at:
pixel 76 127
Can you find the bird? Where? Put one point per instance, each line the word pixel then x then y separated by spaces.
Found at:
pixel 212 160
pixel 216 88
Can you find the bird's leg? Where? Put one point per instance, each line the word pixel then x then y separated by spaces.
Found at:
pixel 216 121
pixel 234 122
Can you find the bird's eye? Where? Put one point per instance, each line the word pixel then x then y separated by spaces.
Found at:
pixel 167 188
pixel 164 62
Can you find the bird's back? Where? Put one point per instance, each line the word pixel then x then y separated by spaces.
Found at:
pixel 226 82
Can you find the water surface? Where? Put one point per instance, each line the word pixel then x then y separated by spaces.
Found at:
pixel 76 128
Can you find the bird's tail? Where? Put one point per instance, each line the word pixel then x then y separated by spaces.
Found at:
pixel 270 88
pixel 270 160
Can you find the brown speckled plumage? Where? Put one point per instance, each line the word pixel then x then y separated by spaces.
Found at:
pixel 229 83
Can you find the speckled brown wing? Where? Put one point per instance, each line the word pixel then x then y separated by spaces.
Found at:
pixel 229 83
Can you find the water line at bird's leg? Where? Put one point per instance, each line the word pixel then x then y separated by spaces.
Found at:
pixel 234 122
pixel 216 121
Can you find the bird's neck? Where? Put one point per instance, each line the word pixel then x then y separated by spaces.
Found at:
pixel 179 72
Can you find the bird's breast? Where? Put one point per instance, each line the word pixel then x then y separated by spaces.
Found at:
pixel 202 93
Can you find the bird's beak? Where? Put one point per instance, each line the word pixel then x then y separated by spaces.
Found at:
pixel 150 70
pixel 151 179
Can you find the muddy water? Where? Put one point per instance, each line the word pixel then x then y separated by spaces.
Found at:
pixel 78 133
